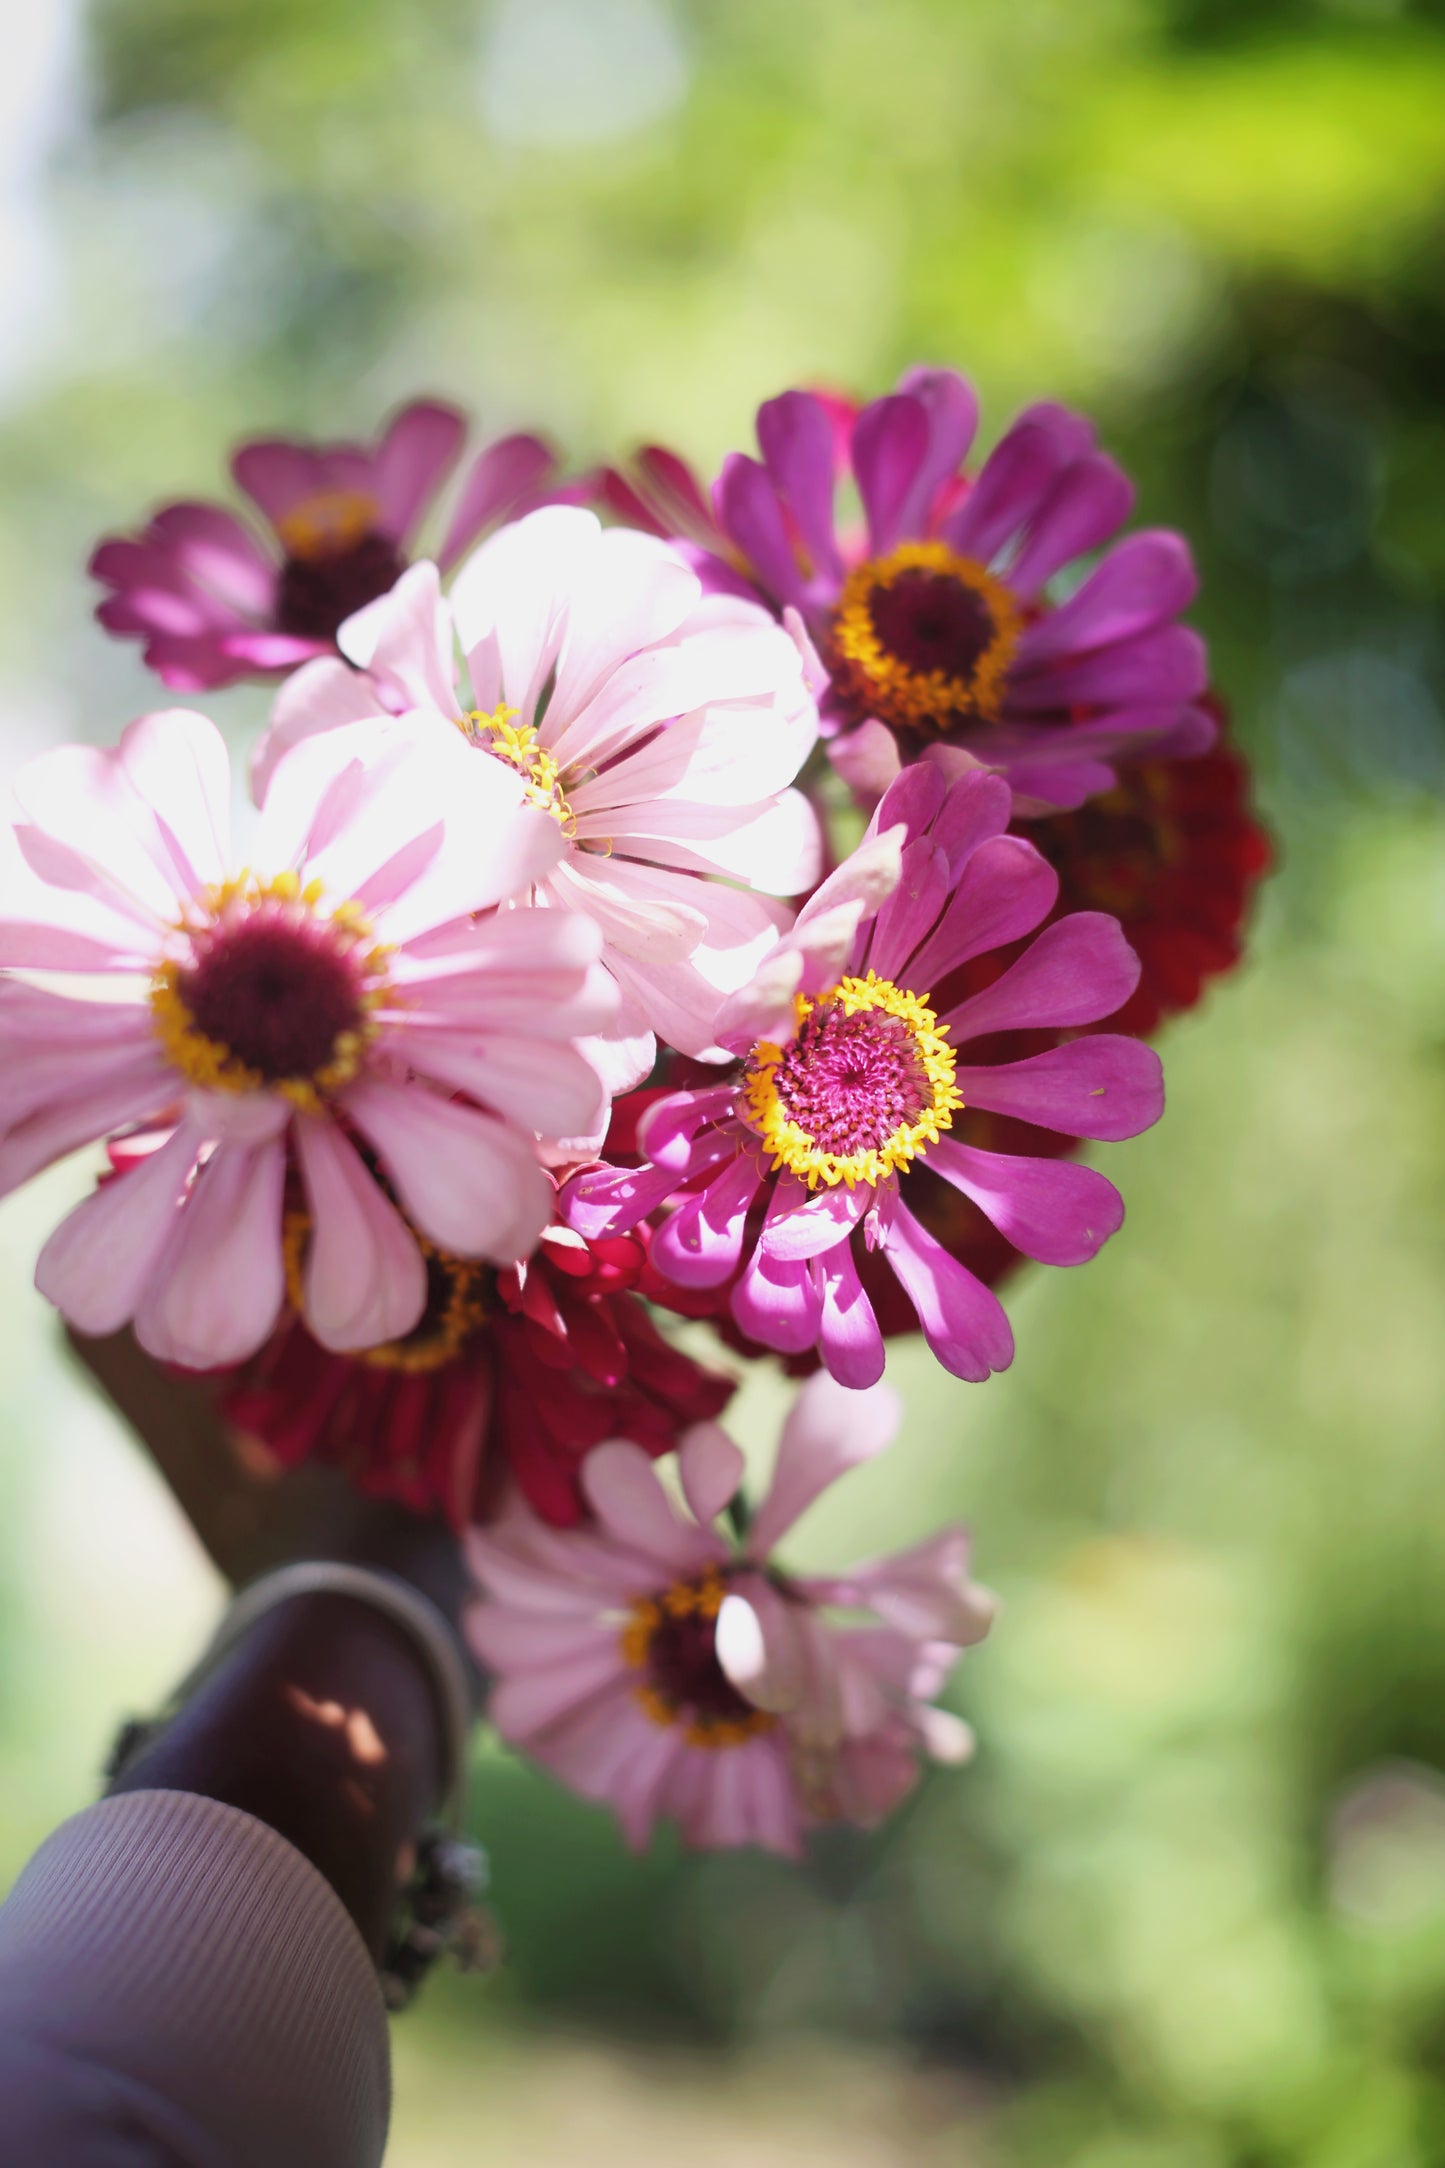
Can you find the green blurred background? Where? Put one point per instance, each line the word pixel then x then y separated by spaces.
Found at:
pixel 1187 1910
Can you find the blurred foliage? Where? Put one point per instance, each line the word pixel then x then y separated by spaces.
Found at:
pixel 1188 1910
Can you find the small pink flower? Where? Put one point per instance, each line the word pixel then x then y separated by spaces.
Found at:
pixel 215 601
pixel 850 1078
pixel 939 620
pixel 674 1675
pixel 296 1006
pixel 661 729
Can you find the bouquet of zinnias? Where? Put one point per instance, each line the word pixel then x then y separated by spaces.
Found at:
pixel 722 908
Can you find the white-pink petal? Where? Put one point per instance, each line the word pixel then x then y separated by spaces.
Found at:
pixel 365 1280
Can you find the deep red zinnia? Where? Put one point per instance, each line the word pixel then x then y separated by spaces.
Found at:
pixel 519 1372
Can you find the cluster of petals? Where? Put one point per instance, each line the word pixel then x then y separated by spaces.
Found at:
pixel 656 1666
pixel 319 1006
pixel 953 578
pixel 662 729
pixel 512 1375
pixel 936 883
pixel 217 597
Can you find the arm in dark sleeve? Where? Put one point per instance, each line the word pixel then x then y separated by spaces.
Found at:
pixel 181 1988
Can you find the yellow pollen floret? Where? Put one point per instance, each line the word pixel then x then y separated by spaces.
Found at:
pixel 211 1065
pixel 891 687
pixel 517 745
pixel 685 1599
pixel 328 524
pixel 792 1147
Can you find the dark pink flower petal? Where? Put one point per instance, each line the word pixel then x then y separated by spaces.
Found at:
pixel 963 1321
pixel 501 478
pixel 751 517
pixel 806 1223
pixel 1051 1209
pixel 951 405
pixel 778 1303
pixel 1144 581
pixel 419 449
pixel 1103 1086
pixel 978 806
pixel 1012 483
pixel 1089 502
pixel 796 438
pixel 278 475
pixel 701 1244
pixel 890 444
pixel 1078 970
pixel 906 916
pixel 1005 890
pixel 1161 667
pixel 848 1338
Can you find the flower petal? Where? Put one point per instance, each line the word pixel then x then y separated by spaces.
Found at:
pixel 1103 1086
pixel 1078 970
pixel 365 1280
pixel 97 1264
pixel 711 1468
pixel 219 1289
pixel 463 1178
pixel 829 1430
pixel 1053 1210
pixel 963 1321
pixel 623 1490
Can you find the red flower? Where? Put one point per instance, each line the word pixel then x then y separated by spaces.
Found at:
pixel 522 1371
pixel 1175 853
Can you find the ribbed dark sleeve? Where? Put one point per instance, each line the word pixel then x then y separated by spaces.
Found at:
pixel 179 1988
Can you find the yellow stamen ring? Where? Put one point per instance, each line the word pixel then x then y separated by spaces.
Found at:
pixel 792 1147
pixel 211 1065
pixel 884 683
pixel 700 1600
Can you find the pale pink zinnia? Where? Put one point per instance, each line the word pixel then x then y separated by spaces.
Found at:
pixel 673 1674
pixel 661 729
pixel 288 1013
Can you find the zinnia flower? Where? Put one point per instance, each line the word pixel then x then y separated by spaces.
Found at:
pixel 520 1371
pixel 661 731
pixel 850 1080
pixel 216 600
pixel 1175 852
pixel 674 1675
pixel 288 1005
pixel 939 622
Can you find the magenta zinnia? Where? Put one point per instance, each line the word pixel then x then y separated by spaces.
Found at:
pixel 939 622
pixel 216 598
pixel 849 1079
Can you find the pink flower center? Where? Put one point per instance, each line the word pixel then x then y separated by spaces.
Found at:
pixel 860 1091
pixel 851 1080
pixel 270 994
pixel 671 1640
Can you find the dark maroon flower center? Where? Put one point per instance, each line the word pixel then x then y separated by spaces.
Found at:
pixel 931 621
pixel 850 1081
pixel 922 639
pixel 276 992
pixel 683 1670
pixel 319 590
